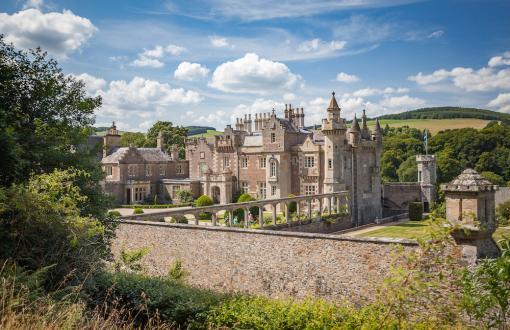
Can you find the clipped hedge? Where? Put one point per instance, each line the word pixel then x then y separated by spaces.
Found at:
pixel 114 213
pixel 158 206
pixel 416 211
pixel 138 210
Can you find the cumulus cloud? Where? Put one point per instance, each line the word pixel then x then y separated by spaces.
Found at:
pixel 500 60
pixel 219 42
pixel 364 92
pixel 216 117
pixel 59 33
pixel 38 4
pixel 251 74
pixel 258 106
pixel 481 80
pixel 436 34
pixel 143 98
pixel 319 47
pixel 190 71
pixel 92 84
pixel 346 78
pixel 404 102
pixel 501 102
pixel 153 57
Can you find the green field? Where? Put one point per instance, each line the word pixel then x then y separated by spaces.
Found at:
pixel 209 133
pixel 415 230
pixel 433 125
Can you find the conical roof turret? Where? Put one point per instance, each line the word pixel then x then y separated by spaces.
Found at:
pixel 333 105
pixel 377 126
pixel 355 125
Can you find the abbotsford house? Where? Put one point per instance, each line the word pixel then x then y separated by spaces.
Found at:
pixel 269 157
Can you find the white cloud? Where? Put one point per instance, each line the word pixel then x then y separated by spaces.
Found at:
pixel 501 102
pixel 376 91
pixel 481 80
pixel 500 60
pixel 59 33
pixel 219 42
pixel 436 34
pixel 346 78
pixel 37 4
pixel 319 47
pixel 190 71
pixel 175 50
pixel 404 102
pixel 92 84
pixel 251 74
pixel 260 105
pixel 289 96
pixel 216 117
pixel 143 98
pixel 153 57
pixel 144 61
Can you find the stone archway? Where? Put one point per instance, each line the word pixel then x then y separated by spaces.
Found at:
pixel 216 194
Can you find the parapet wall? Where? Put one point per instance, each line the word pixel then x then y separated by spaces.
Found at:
pixel 502 195
pixel 273 263
pixel 400 194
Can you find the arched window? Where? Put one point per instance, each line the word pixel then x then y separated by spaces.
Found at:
pixel 272 169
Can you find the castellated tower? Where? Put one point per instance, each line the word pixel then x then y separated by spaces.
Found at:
pixel 427 179
pixel 111 141
pixel 333 128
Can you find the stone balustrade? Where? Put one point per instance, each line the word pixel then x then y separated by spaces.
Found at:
pixel 335 200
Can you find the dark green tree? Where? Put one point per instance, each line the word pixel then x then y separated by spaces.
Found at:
pixel 172 135
pixel 137 139
pixel 408 170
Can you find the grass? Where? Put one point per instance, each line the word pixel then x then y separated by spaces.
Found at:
pixel 433 125
pixel 209 133
pixel 417 229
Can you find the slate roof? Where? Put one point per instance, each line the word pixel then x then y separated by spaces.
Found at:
pixel 149 155
pixel 469 180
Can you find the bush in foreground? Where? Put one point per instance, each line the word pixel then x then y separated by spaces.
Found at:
pixel 415 211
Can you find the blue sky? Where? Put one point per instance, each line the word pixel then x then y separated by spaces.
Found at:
pixel 204 62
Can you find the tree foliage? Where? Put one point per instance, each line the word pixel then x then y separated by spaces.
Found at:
pixel 172 135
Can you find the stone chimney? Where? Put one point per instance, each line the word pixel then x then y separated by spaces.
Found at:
pixel 159 141
pixel 174 152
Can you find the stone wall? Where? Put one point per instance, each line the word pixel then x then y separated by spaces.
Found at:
pixel 273 263
pixel 502 195
pixel 398 195
pixel 315 225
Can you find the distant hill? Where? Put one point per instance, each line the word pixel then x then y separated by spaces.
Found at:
pixel 450 113
pixel 195 130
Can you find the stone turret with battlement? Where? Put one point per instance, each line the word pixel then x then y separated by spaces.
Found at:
pixel 427 179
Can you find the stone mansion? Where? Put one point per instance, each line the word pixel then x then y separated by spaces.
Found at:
pixel 265 156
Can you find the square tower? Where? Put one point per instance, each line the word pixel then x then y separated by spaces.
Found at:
pixel 427 179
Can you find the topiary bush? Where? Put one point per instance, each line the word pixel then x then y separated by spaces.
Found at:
pixel 138 210
pixel 292 205
pixel 178 219
pixel 416 211
pixel 204 200
pixel 240 212
pixel 114 214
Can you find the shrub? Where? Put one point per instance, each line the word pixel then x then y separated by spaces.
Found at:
pixel 204 200
pixel 138 210
pixel 494 178
pixel 503 213
pixel 176 271
pixel 185 196
pixel 292 205
pixel 415 211
pixel 240 212
pixel 178 219
pixel 114 214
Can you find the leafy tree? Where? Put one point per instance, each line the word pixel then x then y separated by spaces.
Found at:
pixel 43 114
pixel 41 225
pixel 494 178
pixel 448 167
pixel 137 139
pixel 172 135
pixel 408 170
pixel 185 196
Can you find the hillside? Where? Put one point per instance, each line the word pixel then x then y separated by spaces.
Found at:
pixel 450 113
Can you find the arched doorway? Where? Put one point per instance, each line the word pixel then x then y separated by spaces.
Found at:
pixel 215 192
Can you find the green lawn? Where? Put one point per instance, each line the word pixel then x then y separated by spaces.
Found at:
pixel 209 133
pixel 417 229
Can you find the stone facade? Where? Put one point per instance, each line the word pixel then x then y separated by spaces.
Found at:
pixel 427 179
pixel 272 263
pixel 135 174
pixel 271 157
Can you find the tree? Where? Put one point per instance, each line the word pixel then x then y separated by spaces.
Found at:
pixel 172 135
pixel 185 196
pixel 136 139
pixel 408 170
pixel 494 178
pixel 43 114
pixel 448 167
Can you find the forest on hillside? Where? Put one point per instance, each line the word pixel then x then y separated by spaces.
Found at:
pixel 486 150
pixel 449 113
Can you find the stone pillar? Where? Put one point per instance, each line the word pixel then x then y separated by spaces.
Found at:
pixel 274 213
pixel 261 217
pixel 309 201
pixel 329 205
pixel 470 209
pixel 246 211
pixel 298 210
pixel 230 215
pixel 338 204
pixel 320 207
pixel 196 218
pixel 287 213
pixel 214 218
